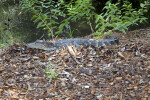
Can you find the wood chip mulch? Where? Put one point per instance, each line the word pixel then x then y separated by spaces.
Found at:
pixel 120 72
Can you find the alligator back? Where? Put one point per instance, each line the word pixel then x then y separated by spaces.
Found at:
pixel 40 44
pixel 86 42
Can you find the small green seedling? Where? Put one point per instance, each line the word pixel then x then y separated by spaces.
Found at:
pixel 51 72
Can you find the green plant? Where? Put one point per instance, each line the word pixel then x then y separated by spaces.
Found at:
pixel 5 38
pixel 57 16
pixel 119 19
pixel 6 26
pixel 9 10
pixel 148 35
pixel 80 10
pixel 40 16
pixel 51 72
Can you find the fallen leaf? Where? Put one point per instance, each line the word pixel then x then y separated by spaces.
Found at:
pixel 118 78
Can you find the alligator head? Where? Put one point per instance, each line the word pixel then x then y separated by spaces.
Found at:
pixel 41 44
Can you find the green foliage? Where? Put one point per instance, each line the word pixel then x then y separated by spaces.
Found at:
pixel 40 16
pixel 51 72
pixel 80 10
pixel 6 26
pixel 57 16
pixel 148 35
pixel 11 22
pixel 5 37
pixel 116 19
pixel 47 14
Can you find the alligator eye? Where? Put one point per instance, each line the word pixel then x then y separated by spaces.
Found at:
pixel 39 41
pixel 112 42
pixel 50 44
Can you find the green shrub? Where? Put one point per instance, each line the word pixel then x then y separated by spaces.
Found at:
pixel 6 26
pixel 47 14
pixel 116 19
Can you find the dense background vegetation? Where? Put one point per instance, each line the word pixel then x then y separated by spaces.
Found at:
pixel 28 20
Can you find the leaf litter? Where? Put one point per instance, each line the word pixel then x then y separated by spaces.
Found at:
pixel 119 72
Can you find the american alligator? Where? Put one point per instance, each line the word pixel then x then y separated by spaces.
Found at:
pixel 41 44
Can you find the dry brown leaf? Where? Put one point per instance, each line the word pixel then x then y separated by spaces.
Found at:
pixel 123 55
pixel 56 98
pixel 1 90
pixel 72 95
pixel 63 51
pixel 13 94
pixel 53 89
pixel 130 87
pixel 71 51
pixel 144 98
pixel 135 87
pixel 93 91
pixel 118 78
pixel 1 65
